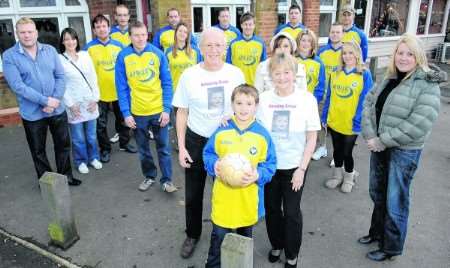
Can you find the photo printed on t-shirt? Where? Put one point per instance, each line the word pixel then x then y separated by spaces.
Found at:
pixel 216 100
pixel 280 123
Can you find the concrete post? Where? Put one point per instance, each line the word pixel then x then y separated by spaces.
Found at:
pixel 236 251
pixel 55 192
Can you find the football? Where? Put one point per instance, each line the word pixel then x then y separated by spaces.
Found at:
pixel 233 167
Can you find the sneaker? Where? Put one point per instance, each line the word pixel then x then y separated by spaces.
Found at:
pixel 114 138
pixel 169 187
pixel 96 164
pixel 332 163
pixel 146 184
pixel 83 169
pixel 188 247
pixel 319 153
pixel 105 156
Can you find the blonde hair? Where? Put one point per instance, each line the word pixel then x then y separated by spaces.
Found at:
pixel 415 45
pixel 25 20
pixel 358 55
pixel 282 59
pixel 313 41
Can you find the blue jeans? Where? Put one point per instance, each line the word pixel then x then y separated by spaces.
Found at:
pixel 390 177
pixel 217 235
pixel 84 142
pixel 161 134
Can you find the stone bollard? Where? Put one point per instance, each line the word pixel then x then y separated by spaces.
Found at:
pixel 236 251
pixel 55 192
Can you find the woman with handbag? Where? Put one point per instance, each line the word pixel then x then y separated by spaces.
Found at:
pixel 81 97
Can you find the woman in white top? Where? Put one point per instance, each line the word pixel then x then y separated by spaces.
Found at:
pixel 81 97
pixel 280 43
pixel 292 118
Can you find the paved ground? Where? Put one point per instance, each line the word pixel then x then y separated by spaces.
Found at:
pixel 122 227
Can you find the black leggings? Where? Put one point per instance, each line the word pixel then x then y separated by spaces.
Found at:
pixel 342 149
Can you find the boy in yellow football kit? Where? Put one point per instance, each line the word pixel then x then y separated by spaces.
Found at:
pixel 238 208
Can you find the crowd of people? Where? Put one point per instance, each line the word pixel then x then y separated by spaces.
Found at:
pixel 224 95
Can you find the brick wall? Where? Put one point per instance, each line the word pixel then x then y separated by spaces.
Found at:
pixel 266 19
pixel 159 12
pixel 8 106
pixel 107 7
pixel 311 14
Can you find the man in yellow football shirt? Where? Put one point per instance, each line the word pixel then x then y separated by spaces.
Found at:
pixel 103 51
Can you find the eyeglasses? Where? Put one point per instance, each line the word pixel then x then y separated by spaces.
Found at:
pixel 210 46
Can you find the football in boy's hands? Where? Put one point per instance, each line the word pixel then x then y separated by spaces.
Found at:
pixel 232 169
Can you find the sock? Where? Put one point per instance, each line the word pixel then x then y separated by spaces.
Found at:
pixel 292 262
pixel 275 252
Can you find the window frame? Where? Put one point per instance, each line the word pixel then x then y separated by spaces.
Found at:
pixel 328 9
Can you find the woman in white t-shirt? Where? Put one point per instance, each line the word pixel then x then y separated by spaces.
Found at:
pixel 292 117
pixel 81 97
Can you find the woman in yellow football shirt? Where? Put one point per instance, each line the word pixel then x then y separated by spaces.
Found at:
pixel 183 54
pixel 342 113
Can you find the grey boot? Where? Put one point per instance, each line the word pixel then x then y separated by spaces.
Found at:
pixel 349 181
pixel 336 179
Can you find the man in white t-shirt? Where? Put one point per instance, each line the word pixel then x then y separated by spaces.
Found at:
pixel 203 98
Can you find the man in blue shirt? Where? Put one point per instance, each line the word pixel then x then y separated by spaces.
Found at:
pixel 34 73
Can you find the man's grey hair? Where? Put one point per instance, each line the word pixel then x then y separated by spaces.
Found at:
pixel 209 31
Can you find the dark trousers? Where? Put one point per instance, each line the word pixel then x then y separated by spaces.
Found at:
pixel 161 134
pixel 102 126
pixel 284 220
pixel 343 150
pixel 195 178
pixel 390 177
pixel 217 235
pixel 36 134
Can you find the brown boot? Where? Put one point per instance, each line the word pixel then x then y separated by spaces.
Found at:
pixel 336 179
pixel 349 181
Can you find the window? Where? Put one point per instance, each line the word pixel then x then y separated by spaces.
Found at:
pixel 423 12
pixel 73 3
pixel 198 19
pixel 50 16
pixel 360 13
pixel 77 24
pixel 437 17
pixel 37 3
pixel 4 3
pixel 239 12
pixel 282 8
pixel 6 35
pixel 389 18
pixel 328 9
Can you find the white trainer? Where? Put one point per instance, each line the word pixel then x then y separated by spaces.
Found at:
pixel 146 184
pixel 83 169
pixel 114 138
pixel 96 164
pixel 332 163
pixel 319 153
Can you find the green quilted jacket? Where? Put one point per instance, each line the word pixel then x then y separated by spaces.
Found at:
pixel 409 111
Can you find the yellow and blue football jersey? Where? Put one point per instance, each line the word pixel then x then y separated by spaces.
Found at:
pixel 181 62
pixel 122 36
pixel 104 56
pixel 293 31
pixel 315 76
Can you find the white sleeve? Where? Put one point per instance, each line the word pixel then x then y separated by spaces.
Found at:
pixel 180 98
pixel 259 79
pixel 300 79
pixel 67 98
pixel 313 120
pixel 92 76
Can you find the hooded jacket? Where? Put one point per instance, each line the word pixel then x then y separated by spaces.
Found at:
pixel 409 111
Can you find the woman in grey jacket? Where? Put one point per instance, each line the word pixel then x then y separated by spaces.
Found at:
pixel 397 119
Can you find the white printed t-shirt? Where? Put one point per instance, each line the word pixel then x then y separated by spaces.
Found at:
pixel 207 96
pixel 287 119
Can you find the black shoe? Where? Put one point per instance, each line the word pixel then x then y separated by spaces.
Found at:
pixel 273 258
pixel 73 182
pixel 105 157
pixel 128 148
pixel 367 239
pixel 379 255
pixel 188 247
